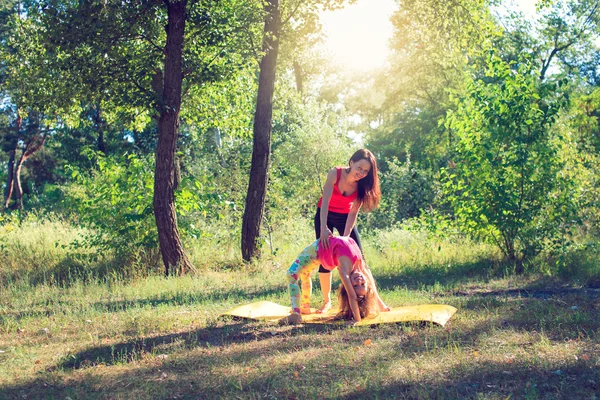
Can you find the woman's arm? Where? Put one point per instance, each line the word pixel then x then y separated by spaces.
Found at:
pixel 327 192
pixel 345 268
pixel 351 220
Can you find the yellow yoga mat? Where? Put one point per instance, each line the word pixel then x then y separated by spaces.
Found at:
pixel 269 311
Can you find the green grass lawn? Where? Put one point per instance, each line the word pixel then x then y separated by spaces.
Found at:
pixel 161 338
pixel 527 337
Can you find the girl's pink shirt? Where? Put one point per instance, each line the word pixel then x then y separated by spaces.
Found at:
pixel 338 246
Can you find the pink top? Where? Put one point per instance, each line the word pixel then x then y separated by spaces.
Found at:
pixel 338 246
pixel 338 202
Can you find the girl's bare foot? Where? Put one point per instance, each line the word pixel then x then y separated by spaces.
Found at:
pixel 324 308
pixel 292 319
pixel 384 307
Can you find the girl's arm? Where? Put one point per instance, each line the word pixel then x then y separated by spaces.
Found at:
pixel 380 303
pixel 345 268
pixel 327 192
pixel 351 220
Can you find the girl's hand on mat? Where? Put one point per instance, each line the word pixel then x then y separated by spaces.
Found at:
pixel 383 307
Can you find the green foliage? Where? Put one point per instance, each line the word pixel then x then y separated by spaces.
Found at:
pixel 579 264
pixel 199 198
pixel 118 52
pixel 585 121
pixel 35 249
pixel 308 140
pixel 405 190
pixel 504 183
pixel 432 46
pixel 561 39
pixel 580 151
pixel 115 202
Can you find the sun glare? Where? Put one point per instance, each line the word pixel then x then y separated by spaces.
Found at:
pixel 357 36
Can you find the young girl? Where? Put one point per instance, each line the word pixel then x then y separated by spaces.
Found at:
pixel 342 253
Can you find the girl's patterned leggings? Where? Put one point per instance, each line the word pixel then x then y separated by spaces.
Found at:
pixel 301 269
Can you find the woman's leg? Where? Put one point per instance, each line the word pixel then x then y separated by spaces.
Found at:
pixel 356 236
pixel 300 270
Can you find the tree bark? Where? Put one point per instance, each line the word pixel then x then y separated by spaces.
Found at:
pixel 171 247
pixel 298 75
pixel 99 126
pixel 36 143
pixel 8 191
pixel 257 185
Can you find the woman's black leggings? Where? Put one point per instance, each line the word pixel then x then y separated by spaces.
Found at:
pixel 337 221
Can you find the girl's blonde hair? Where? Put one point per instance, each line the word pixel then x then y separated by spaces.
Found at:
pixel 367 304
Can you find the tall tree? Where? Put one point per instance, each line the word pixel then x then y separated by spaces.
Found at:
pixel 257 185
pixel 432 45
pixel 31 95
pixel 165 180
pixel 504 183
pixel 305 15
pixel 567 28
pixel 150 55
pixel 561 39
pixel 30 139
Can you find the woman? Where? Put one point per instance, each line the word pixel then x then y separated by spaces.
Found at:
pixel 346 191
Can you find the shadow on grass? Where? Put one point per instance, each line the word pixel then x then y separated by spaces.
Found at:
pixel 49 308
pixel 255 360
pixel 421 276
pixel 234 331
pixel 481 271
pixel 78 268
pixel 495 380
pixel 188 298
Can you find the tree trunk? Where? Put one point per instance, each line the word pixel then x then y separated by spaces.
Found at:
pixel 8 190
pixel 10 179
pixel 171 247
pixel 519 268
pixel 298 75
pixel 18 192
pixel 36 143
pixel 257 185
pixel 99 126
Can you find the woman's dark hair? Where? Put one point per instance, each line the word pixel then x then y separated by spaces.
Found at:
pixel 368 187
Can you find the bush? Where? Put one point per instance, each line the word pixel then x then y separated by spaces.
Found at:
pixel 505 183
pixel 115 202
pixel 405 191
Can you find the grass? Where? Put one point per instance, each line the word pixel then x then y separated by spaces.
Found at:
pixel 151 337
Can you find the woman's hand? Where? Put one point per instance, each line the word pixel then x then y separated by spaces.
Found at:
pixel 324 238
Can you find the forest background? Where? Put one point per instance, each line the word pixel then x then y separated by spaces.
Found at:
pixel 484 122
pixel 162 160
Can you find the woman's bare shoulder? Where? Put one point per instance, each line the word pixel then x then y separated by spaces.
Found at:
pixel 332 173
